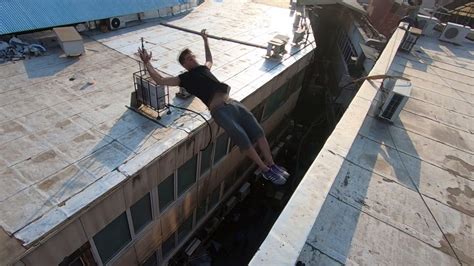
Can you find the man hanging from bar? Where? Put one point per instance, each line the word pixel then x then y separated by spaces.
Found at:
pixel 237 121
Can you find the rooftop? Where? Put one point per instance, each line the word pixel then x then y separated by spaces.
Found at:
pixel 391 194
pixel 66 134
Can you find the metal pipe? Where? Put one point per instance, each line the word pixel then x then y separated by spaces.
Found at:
pixel 214 36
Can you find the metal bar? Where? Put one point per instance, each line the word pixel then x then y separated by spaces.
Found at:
pixel 146 116
pixel 214 36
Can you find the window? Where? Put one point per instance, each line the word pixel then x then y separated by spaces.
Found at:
pixel 274 101
pixel 112 238
pixel 187 175
pixel 221 147
pixel 185 228
pixel 258 112
pixel 214 198
pixel 206 159
pixel 141 213
pixel 229 181
pixel 82 256
pixel 168 246
pixel 243 167
pixel 166 192
pixel 296 83
pixel 200 210
pixel 151 261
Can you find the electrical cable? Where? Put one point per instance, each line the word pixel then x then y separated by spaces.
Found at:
pixel 208 124
pixel 422 198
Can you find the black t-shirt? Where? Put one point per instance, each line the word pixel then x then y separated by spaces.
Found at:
pixel 201 83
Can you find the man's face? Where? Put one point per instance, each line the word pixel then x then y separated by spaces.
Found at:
pixel 190 61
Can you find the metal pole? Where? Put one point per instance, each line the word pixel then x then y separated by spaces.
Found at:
pixel 213 36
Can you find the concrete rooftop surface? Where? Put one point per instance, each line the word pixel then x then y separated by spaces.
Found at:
pixel 391 194
pixel 66 136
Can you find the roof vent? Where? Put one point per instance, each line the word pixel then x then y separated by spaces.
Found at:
pixel 276 46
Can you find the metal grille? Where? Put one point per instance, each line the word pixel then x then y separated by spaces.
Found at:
pixel 392 106
pixel 345 46
pixel 149 93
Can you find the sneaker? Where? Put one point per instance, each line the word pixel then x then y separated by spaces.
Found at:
pixel 274 177
pixel 280 170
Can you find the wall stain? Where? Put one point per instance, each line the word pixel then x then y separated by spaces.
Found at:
pixel 454 193
pixel 464 164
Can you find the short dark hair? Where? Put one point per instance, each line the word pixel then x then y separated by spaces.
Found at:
pixel 183 54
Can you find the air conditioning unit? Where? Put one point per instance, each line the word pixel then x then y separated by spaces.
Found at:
pixel 150 94
pixel 192 246
pixel 120 22
pixel 397 93
pixel 455 33
pixel 427 25
pixel 411 37
pixel 244 191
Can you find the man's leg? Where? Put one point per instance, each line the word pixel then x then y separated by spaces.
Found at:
pixel 253 155
pixel 265 148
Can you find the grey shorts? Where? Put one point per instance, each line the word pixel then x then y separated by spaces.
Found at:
pixel 239 123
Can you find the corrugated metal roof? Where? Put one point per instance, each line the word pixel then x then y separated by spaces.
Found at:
pixel 24 15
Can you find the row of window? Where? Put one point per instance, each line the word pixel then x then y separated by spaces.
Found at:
pixel 110 240
pixel 185 228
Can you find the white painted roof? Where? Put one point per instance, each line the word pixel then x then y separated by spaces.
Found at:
pixel 391 194
pixel 66 135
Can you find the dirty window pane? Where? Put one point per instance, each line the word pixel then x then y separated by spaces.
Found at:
pixel 200 210
pixel 206 159
pixel 221 147
pixel 141 213
pixel 187 175
pixel 274 101
pixel 185 228
pixel 112 238
pixel 214 198
pixel 166 192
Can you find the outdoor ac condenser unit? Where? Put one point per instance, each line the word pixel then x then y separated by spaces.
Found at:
pixel 427 24
pixel 397 93
pixel 455 33
pixel 150 94
pixel 120 22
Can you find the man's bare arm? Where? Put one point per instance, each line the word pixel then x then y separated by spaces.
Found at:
pixel 170 81
pixel 207 49
pixel 146 57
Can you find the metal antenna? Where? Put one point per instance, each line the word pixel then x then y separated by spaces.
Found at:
pixel 143 49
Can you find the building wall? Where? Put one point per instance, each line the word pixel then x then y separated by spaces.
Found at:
pixel 385 15
pixel 115 218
